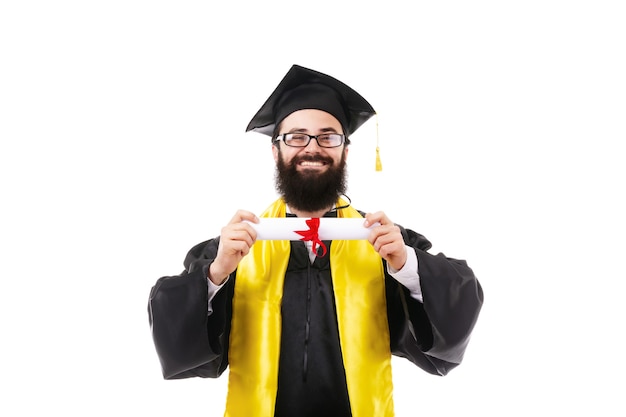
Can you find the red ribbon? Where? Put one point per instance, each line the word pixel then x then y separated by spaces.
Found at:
pixel 312 235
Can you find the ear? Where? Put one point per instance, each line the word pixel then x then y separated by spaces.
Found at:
pixel 275 152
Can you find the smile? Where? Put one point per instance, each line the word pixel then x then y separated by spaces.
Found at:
pixel 312 164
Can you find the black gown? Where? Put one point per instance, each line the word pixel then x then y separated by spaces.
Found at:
pixel 311 381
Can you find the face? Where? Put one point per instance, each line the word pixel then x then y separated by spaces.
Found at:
pixel 310 178
pixel 313 158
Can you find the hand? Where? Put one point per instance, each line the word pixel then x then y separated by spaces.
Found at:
pixel 386 239
pixel 236 239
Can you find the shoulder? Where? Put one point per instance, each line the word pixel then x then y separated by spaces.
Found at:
pixel 414 239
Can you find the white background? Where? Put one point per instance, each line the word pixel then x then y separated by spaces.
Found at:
pixel 501 129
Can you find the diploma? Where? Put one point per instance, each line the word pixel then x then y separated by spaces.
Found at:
pixel 330 228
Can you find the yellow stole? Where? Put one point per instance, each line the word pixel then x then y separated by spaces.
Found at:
pixel 359 289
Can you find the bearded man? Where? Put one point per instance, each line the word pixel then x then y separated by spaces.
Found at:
pixel 307 328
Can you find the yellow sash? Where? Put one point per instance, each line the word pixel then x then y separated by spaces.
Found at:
pixel 359 289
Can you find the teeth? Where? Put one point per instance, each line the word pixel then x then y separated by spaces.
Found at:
pixel 312 164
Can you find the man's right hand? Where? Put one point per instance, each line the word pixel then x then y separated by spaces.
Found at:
pixel 236 239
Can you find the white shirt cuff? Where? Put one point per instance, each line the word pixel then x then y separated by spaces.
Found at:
pixel 409 274
pixel 213 289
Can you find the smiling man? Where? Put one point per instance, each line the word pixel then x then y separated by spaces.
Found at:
pixel 306 332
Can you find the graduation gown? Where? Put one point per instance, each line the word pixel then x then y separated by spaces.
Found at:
pixel 311 381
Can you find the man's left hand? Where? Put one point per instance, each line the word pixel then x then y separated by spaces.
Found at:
pixel 386 239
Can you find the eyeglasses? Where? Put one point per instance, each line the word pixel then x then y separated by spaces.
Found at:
pixel 301 140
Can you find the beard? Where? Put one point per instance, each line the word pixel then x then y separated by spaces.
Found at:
pixel 308 190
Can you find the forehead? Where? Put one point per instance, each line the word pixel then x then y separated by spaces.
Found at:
pixel 310 119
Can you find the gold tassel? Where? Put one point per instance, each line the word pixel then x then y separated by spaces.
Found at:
pixel 379 164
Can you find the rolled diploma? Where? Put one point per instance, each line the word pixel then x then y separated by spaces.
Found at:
pixel 331 228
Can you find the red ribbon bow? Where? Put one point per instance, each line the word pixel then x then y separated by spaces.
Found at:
pixel 312 235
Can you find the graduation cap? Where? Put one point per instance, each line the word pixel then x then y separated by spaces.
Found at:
pixel 303 88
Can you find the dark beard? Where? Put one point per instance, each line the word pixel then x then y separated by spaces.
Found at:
pixel 310 191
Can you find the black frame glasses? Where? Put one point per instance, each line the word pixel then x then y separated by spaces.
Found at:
pixel 324 140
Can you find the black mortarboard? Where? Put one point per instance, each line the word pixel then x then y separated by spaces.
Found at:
pixel 303 88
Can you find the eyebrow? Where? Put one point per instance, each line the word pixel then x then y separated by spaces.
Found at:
pixel 303 130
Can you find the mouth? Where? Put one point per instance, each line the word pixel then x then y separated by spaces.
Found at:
pixel 311 164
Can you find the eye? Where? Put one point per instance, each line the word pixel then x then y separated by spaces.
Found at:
pixel 325 139
pixel 298 137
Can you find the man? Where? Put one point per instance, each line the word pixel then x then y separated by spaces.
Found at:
pixel 307 328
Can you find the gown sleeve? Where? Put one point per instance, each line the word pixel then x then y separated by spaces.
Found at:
pixel 434 334
pixel 189 342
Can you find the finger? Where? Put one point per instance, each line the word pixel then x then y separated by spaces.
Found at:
pixel 242 215
pixel 380 240
pixel 385 235
pixel 383 230
pixel 377 217
pixel 240 232
pixel 240 247
pixel 390 249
